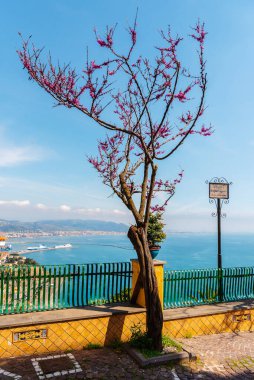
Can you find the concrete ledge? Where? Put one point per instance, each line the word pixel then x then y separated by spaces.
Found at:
pixel 64 315
pixel 143 362
pixel 90 312
pixel 202 310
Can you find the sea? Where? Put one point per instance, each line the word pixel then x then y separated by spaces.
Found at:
pixel 179 250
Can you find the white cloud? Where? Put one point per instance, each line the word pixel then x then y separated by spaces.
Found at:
pixel 41 206
pixel 16 203
pixel 81 210
pixel 38 189
pixel 65 208
pixel 119 212
pixel 12 205
pixel 98 210
pixel 14 155
pixel 92 210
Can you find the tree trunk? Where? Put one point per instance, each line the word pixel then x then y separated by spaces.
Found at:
pixel 154 315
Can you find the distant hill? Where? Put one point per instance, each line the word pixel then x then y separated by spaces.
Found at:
pixel 61 225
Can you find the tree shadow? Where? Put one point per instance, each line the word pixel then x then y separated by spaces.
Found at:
pixel 118 327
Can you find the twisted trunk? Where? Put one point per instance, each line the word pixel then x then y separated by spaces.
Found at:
pixel 154 316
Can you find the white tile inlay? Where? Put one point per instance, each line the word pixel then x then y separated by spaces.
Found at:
pixel 10 374
pixel 35 361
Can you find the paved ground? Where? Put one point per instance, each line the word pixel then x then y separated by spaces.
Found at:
pixel 224 356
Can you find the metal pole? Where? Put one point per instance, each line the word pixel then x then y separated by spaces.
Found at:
pixel 219 234
pixel 220 281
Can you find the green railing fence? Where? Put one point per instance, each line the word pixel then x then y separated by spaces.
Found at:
pixel 37 288
pixel 200 286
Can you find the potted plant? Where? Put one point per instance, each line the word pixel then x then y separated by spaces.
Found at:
pixel 155 233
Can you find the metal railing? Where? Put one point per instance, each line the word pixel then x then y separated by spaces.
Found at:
pixel 201 286
pixel 37 288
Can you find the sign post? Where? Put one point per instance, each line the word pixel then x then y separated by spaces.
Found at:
pixel 219 194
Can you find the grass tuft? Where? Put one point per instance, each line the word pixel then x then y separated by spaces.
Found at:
pixel 92 346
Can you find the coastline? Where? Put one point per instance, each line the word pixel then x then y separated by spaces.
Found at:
pixel 27 251
pixel 13 235
pixel 180 251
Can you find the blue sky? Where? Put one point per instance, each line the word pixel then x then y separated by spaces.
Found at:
pixel 43 169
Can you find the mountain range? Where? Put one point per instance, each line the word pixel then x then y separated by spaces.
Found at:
pixel 61 225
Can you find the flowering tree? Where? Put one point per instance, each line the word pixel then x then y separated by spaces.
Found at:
pixel 143 128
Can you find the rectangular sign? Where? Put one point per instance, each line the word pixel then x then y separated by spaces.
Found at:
pixel 241 317
pixel 219 190
pixel 32 334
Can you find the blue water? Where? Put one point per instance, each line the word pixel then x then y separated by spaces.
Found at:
pixel 180 251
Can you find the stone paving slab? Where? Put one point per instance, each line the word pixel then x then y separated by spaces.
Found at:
pixel 222 356
pixel 221 347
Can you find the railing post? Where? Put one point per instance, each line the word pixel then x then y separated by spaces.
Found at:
pixel 159 273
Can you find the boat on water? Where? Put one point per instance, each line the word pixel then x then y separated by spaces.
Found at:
pixel 3 245
pixel 42 247
pixel 63 246
pixel 39 248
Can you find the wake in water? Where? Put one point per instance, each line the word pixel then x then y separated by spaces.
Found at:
pixel 110 245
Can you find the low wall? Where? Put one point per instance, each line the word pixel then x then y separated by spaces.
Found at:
pixel 209 319
pixel 64 330
pixel 74 329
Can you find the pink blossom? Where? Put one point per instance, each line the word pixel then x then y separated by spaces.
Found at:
pixel 186 118
pixel 101 42
pixel 133 35
pixel 157 208
pixel 143 137
pixel 181 96
pixel 200 33
pixel 94 66
pixel 109 39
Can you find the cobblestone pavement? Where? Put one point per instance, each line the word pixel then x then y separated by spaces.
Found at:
pixel 103 364
pixel 222 356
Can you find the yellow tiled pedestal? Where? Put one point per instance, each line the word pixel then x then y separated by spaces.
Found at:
pixel 159 272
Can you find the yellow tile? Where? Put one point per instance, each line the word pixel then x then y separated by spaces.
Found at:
pixel 77 334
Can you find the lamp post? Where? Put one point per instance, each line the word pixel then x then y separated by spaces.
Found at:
pixel 219 194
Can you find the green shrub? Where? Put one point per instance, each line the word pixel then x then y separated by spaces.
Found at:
pixel 207 296
pixel 139 339
pixel 143 343
pixel 155 233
